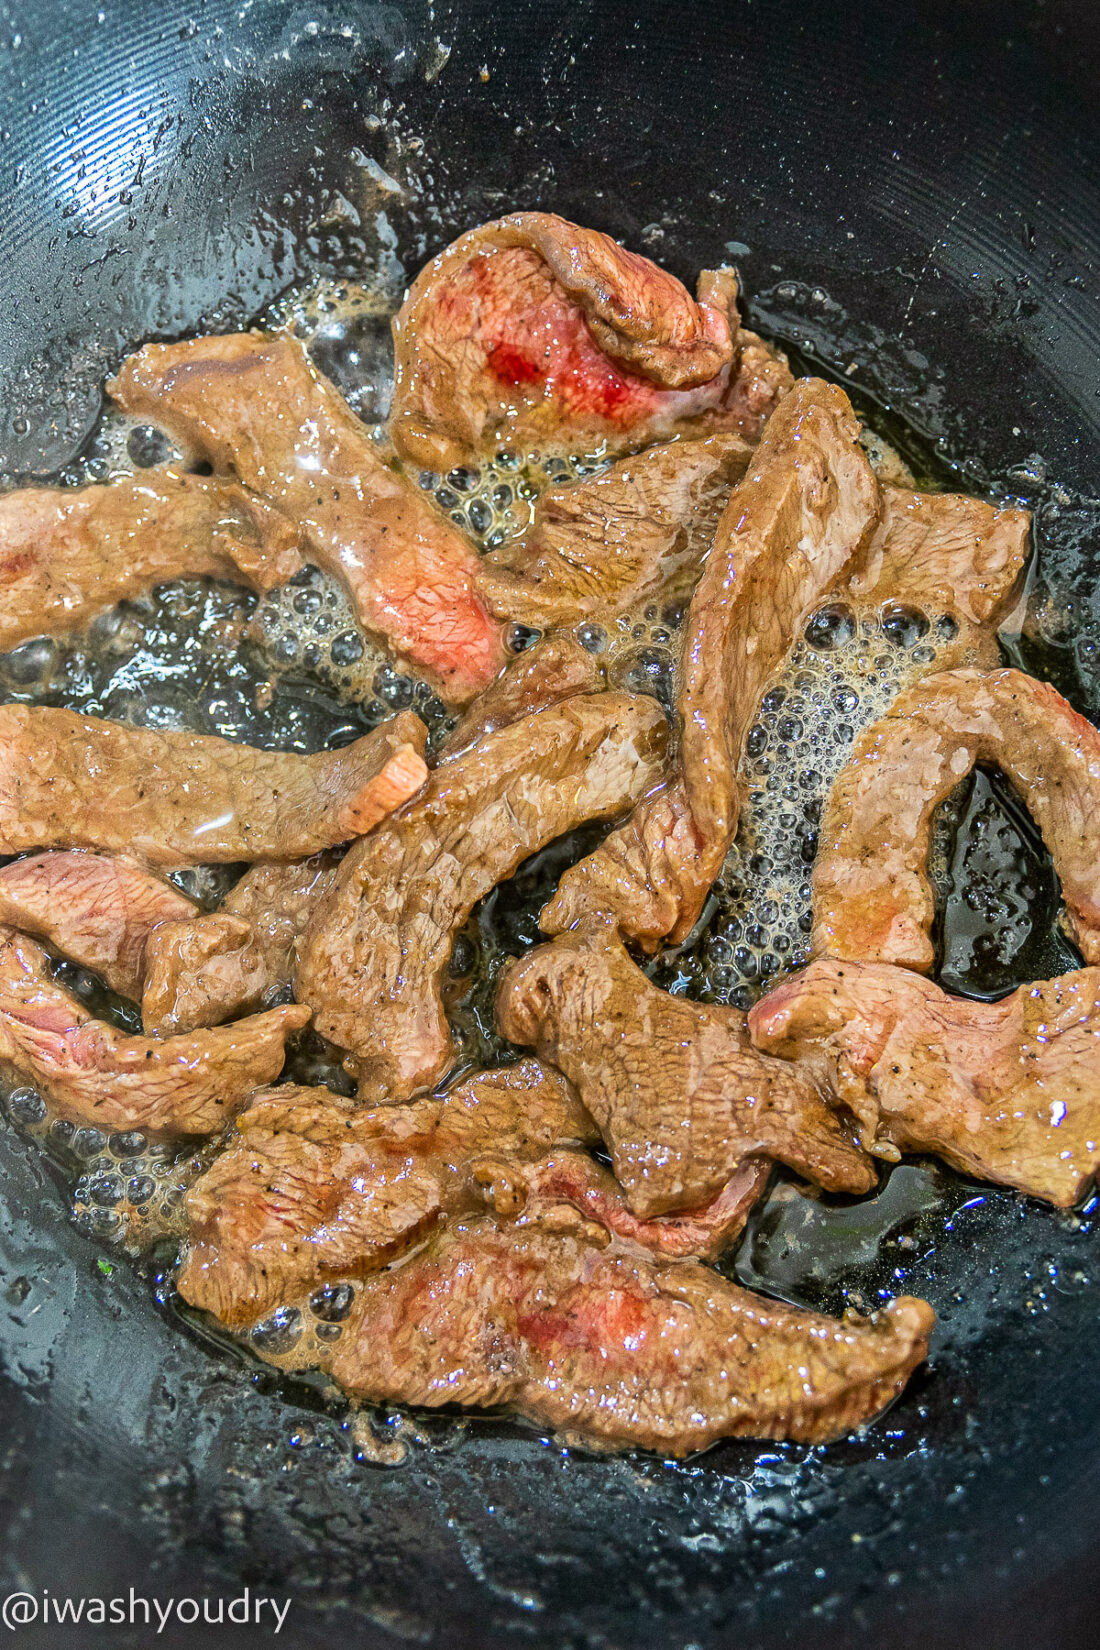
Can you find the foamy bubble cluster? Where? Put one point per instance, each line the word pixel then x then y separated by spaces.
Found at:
pixel 309 626
pixel 844 671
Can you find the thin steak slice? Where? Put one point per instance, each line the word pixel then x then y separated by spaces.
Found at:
pixel 98 910
pixel 67 553
pixel 555 669
pixel 679 1093
pixel 599 547
pixel 254 404
pixel 615 1348
pixel 806 508
pixel 316 1188
pixel 237 958
pixel 1007 1091
pixel 944 553
pixel 374 955
pixel 92 1074
pixel 69 781
pixel 533 332
pixel 873 901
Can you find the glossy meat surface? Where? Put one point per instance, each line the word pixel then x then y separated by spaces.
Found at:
pixel 253 404
pixel 1007 1091
pixel 70 781
pixel 679 1093
pixel 92 1074
pixel 98 910
pixel 372 961
pixel 873 901
pixel 533 331
pixel 613 1347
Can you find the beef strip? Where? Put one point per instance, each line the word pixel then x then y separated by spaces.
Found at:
pixel 254 404
pixel 804 511
pixel 1008 1091
pixel 235 959
pixel 316 1188
pixel 872 898
pixel 943 553
pixel 95 909
pixel 185 799
pixel 92 1074
pixel 68 553
pixel 600 547
pixel 613 1347
pixel 564 1185
pixel 374 954
pixel 531 331
pixel 679 1093
pixel 555 669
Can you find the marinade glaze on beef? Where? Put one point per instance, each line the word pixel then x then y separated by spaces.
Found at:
pixel 679 1093
pixel 1007 1091
pixel 99 910
pixel 873 900
pixel 68 553
pixel 253 404
pixel 534 332
pixel 636 532
pixel 70 781
pixel 316 1190
pixel 93 1074
pixel 806 507
pixel 372 960
pixel 602 1342
pixel 238 957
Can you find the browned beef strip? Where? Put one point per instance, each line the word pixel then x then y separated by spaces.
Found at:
pixel 1007 1091
pixel 872 897
pixel 98 910
pixel 373 957
pixel 92 1074
pixel 679 1093
pixel 533 332
pixel 316 1188
pixel 67 553
pixel 806 508
pixel 235 959
pixel 602 546
pixel 943 553
pixel 254 404
pixel 555 669
pixel 184 799
pixel 614 1347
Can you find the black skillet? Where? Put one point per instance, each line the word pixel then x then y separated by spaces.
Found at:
pixel 912 187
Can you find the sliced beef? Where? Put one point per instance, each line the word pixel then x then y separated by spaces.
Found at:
pixel 373 958
pixel 555 669
pixel 807 507
pixel 1008 1091
pixel 235 959
pixel 599 547
pixel 533 332
pixel 680 1095
pixel 95 909
pixel 872 898
pixel 567 1191
pixel 68 553
pixel 612 1347
pixel 69 781
pixel 252 403
pixel 92 1074
pixel 316 1188
pixel 944 553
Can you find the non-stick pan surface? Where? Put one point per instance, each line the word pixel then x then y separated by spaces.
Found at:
pixel 911 188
